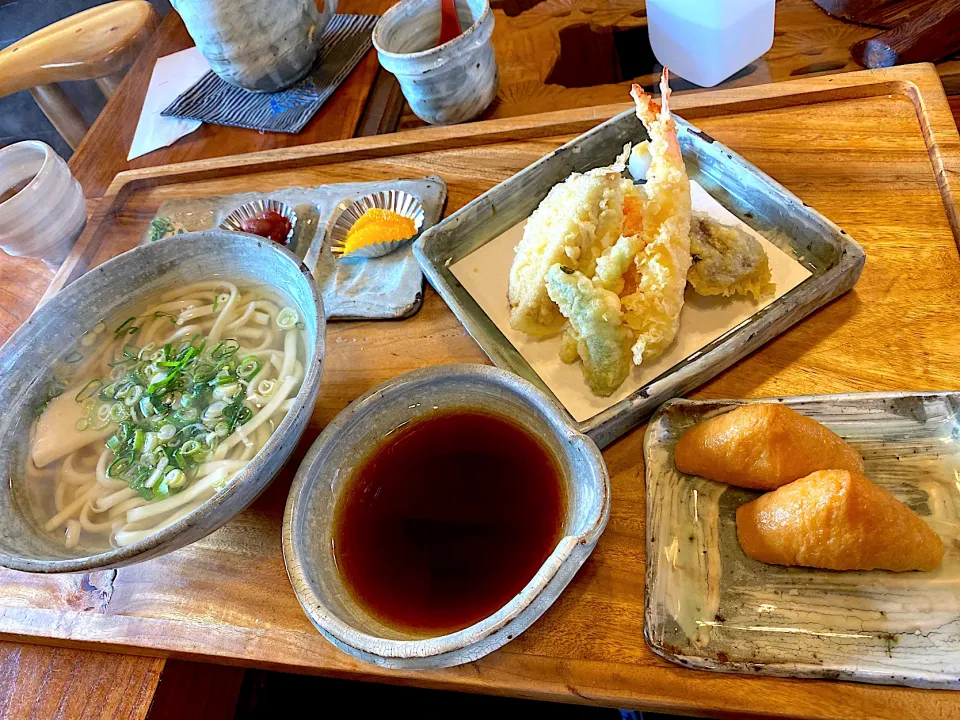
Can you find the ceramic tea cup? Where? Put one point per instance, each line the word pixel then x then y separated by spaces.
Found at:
pixel 444 84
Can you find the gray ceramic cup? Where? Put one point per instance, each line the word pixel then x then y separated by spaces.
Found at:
pixel 27 361
pixel 307 522
pixel 259 45
pixel 446 84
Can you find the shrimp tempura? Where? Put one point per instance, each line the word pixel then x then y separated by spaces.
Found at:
pixel 653 309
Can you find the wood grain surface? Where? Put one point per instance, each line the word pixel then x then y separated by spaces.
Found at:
pixel 807 41
pixel 91 44
pixel 47 682
pixel 98 43
pixel 552 42
pixel 104 149
pixel 852 146
pixel 198 691
pixel 926 35
pixel 22 282
pixel 879 13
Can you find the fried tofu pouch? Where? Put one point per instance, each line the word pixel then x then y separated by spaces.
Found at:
pixel 837 520
pixel 762 446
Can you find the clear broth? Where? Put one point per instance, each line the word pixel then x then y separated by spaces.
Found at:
pixel 107 355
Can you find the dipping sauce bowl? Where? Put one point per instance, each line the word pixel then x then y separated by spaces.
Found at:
pixel 343 447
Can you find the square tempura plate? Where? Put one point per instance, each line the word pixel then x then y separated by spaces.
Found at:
pixel 735 187
pixel 710 606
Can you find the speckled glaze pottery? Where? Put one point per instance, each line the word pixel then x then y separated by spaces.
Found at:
pixel 256 45
pixel 307 522
pixel 29 358
pixel 710 606
pixel 444 84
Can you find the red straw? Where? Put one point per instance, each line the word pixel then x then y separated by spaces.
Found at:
pixel 449 22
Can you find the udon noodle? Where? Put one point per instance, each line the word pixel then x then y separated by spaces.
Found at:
pixel 156 414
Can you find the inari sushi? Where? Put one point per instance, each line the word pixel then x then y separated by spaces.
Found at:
pixel 762 446
pixel 837 520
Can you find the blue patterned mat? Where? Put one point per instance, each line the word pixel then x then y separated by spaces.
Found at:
pixel 345 41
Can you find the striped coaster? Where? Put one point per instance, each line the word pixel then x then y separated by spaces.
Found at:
pixel 345 41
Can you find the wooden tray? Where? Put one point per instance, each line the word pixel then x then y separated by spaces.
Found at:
pixel 877 152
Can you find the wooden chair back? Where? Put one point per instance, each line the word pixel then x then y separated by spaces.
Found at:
pixel 96 44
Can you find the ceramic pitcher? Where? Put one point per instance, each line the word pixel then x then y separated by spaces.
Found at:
pixel 263 45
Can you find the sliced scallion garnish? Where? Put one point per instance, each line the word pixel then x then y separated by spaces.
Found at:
pixel 88 390
pixel 171 405
pixel 287 318
pixel 124 328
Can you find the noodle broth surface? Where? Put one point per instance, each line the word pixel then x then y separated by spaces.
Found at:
pixel 153 413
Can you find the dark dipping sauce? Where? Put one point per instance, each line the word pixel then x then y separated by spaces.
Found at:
pixel 447 520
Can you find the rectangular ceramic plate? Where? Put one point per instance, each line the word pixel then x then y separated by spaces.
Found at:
pixel 385 288
pixel 710 606
pixel 833 258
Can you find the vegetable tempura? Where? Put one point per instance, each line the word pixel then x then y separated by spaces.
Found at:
pixel 605 261
pixel 577 220
pixel 726 260
pixel 602 340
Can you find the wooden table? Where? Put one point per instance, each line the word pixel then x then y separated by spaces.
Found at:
pixel 102 155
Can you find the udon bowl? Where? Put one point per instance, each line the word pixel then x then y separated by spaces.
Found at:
pixel 126 281
pixel 346 442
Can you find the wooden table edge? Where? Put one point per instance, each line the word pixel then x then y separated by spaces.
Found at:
pixel 476 678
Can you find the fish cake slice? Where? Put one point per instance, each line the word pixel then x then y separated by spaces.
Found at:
pixel 762 446
pixel 837 520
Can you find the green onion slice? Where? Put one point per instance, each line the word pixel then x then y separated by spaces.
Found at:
pixel 248 367
pixel 126 328
pixel 118 467
pixel 88 390
pixel 225 349
pixel 287 318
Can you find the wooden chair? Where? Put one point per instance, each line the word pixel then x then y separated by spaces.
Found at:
pixel 96 44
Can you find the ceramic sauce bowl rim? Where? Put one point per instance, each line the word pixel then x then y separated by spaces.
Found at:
pixel 451 642
pixel 401 7
pixel 304 396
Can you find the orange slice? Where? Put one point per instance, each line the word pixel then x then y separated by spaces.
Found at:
pixel 377 225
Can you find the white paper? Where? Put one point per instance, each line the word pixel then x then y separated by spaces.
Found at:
pixel 485 275
pixel 172 75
